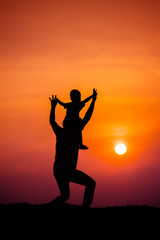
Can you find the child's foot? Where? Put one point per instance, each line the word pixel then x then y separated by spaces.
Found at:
pixel 83 147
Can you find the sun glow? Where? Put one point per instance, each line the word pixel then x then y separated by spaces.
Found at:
pixel 120 149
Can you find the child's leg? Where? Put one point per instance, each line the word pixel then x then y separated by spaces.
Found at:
pixel 81 146
pixel 80 139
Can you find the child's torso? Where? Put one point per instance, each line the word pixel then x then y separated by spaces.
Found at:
pixel 73 110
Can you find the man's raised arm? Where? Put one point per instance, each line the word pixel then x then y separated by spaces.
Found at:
pixel 90 110
pixel 53 106
pixel 52 121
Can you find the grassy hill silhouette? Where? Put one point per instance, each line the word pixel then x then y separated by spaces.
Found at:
pixel 76 221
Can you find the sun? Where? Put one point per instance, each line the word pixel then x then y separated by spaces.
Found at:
pixel 120 149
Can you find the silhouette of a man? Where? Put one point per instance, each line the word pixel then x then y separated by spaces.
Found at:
pixel 67 147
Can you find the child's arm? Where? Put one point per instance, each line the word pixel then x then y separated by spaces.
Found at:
pixel 61 103
pixel 87 99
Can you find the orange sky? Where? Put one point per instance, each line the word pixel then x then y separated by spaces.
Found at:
pixel 50 47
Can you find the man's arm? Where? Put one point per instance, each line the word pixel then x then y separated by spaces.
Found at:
pixel 89 112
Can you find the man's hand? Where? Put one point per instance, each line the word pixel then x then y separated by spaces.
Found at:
pixel 53 100
pixel 94 93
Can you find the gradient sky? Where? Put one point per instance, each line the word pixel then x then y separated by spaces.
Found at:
pixel 50 47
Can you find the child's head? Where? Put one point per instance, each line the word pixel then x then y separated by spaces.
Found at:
pixel 75 95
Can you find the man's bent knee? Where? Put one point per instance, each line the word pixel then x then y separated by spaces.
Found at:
pixel 65 196
pixel 92 183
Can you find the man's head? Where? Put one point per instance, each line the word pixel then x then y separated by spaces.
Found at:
pixel 75 95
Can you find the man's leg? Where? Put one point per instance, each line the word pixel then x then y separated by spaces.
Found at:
pixel 63 184
pixel 83 179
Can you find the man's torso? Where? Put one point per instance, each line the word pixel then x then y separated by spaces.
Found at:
pixel 67 147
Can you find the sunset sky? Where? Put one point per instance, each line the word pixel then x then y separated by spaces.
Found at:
pixel 50 47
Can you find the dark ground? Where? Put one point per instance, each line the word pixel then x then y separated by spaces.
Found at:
pixel 75 221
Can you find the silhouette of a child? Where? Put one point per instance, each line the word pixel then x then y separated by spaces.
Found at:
pixel 73 109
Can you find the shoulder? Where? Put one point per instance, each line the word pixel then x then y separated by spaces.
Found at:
pixel 82 103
